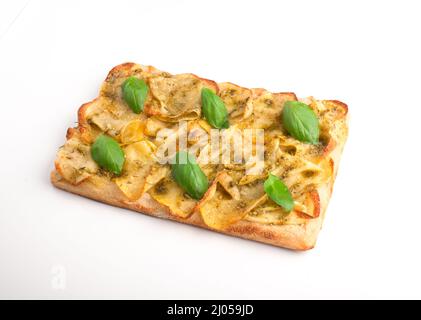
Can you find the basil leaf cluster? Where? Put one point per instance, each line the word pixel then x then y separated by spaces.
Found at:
pixel 214 110
pixel 135 92
pixel 278 192
pixel 301 122
pixel 108 154
pixel 188 175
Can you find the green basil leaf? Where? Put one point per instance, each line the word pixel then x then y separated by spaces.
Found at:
pixel 214 109
pixel 301 122
pixel 107 154
pixel 278 192
pixel 188 175
pixel 135 92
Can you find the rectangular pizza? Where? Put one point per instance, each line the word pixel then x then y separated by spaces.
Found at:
pixel 244 162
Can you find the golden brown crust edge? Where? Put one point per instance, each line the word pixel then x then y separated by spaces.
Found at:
pixel 296 237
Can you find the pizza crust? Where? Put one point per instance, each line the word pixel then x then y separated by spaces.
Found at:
pixel 296 237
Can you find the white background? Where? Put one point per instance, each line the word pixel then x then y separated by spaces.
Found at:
pixel 54 56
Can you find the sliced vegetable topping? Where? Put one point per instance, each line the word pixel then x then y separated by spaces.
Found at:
pixel 107 154
pixel 301 122
pixel 187 173
pixel 214 109
pixel 132 132
pixel 135 92
pixel 278 192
